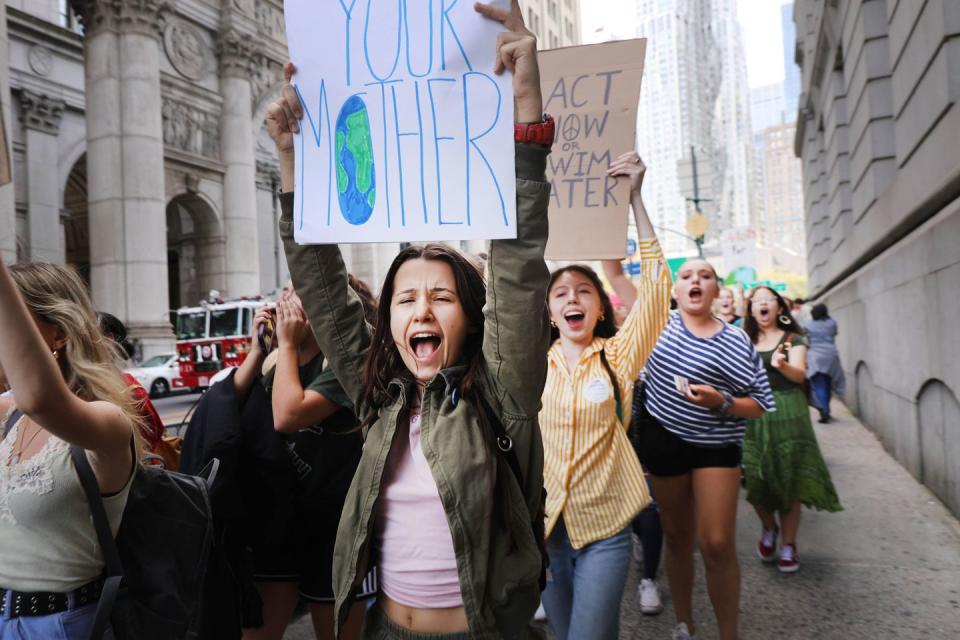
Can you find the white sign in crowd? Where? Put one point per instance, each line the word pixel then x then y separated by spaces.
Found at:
pixel 407 133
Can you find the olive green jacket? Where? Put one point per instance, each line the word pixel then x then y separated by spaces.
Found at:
pixel 498 573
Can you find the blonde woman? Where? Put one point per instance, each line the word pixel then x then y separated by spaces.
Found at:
pixel 65 384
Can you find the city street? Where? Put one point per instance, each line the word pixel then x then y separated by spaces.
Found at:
pixel 174 408
pixel 886 567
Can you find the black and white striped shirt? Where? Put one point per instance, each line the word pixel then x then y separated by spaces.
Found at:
pixel 726 361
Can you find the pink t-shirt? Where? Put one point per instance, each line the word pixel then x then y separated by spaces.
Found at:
pixel 418 566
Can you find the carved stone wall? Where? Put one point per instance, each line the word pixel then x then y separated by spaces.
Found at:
pixel 146 16
pixel 189 128
pixel 40 112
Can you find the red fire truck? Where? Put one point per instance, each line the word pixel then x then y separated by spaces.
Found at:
pixel 211 337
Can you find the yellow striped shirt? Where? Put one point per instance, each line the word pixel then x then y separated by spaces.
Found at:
pixel 591 472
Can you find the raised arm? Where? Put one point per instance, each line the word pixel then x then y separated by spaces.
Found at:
pixel 516 324
pixel 29 360
pixel 247 372
pixel 294 407
pixel 318 272
pixel 629 164
pixel 629 349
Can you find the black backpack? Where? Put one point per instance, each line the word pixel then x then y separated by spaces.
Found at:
pixel 154 569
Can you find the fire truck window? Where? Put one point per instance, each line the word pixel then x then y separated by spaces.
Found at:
pixel 247 319
pixel 191 326
pixel 224 323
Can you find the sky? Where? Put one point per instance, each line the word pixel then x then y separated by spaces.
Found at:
pixel 760 20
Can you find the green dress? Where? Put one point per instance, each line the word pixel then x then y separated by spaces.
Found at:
pixel 782 462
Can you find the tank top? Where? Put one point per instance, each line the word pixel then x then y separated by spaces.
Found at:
pixel 418 565
pixel 47 538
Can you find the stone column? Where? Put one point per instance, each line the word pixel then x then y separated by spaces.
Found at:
pixel 8 212
pixel 272 263
pixel 40 116
pixel 128 236
pixel 237 62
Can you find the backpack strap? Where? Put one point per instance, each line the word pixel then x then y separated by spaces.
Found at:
pixel 504 441
pixel 12 420
pixel 505 445
pixel 113 569
pixel 613 381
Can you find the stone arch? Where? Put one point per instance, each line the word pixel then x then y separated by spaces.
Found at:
pixel 938 425
pixel 76 226
pixel 195 249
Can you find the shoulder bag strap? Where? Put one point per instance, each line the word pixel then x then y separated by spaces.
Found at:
pixel 12 420
pixel 111 556
pixel 613 381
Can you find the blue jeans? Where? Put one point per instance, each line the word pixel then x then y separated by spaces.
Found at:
pixel 821 385
pixel 585 586
pixel 73 624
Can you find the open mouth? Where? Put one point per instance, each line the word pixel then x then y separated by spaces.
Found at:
pixel 695 294
pixel 424 344
pixel 764 313
pixel 575 319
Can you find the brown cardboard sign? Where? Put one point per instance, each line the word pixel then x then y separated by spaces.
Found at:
pixel 5 176
pixel 592 91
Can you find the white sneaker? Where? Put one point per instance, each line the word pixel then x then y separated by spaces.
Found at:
pixel 682 633
pixel 541 614
pixel 648 593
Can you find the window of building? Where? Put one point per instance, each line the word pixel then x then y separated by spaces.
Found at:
pixel 65 17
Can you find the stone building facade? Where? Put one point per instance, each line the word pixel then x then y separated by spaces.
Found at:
pixel 140 154
pixel 877 133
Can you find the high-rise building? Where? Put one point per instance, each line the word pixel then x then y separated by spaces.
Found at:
pixel 556 23
pixel 732 121
pixel 694 95
pixel 791 72
pixel 768 108
pixel 781 225
pixel 879 116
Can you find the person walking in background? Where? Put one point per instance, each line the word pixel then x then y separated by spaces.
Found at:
pixel 595 486
pixel 783 466
pixel 702 381
pixel 726 306
pixel 647 528
pixel 823 361
pixel 317 430
pixel 114 329
pixel 800 312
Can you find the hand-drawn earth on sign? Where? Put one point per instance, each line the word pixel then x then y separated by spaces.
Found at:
pixel 356 177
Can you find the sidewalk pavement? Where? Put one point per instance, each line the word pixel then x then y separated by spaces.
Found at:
pixel 887 567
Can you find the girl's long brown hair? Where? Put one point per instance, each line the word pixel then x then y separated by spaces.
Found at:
pixel 605 328
pixel 89 360
pixel 383 362
pixel 783 311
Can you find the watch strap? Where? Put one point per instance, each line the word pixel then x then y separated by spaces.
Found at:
pixel 536 132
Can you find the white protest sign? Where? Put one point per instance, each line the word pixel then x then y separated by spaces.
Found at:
pixel 407 133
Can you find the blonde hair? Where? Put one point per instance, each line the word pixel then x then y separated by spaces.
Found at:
pixel 89 360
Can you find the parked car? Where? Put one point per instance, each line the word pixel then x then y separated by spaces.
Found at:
pixel 157 374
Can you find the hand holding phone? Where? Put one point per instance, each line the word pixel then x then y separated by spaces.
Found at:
pixel 265 330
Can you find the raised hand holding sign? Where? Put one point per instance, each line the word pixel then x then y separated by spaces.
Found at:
pixel 407 129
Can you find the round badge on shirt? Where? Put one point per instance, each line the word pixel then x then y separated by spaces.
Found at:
pixel 597 390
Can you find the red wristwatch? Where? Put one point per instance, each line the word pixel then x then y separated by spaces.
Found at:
pixel 536 132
